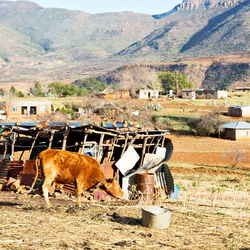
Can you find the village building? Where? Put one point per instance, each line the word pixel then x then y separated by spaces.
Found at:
pixel 243 89
pixel 111 94
pixel 211 94
pixel 204 94
pixel 188 94
pixel 147 93
pixel 239 111
pixel 235 131
pixel 18 107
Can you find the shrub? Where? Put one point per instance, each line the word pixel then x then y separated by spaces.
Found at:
pixel 208 125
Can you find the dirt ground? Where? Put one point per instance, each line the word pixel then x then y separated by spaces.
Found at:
pixel 27 224
pixel 212 211
pixel 207 151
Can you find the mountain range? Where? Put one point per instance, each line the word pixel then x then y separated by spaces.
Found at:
pixel 39 43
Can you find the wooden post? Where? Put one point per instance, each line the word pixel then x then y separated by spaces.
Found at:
pixel 125 145
pixel 156 145
pixel 143 150
pixel 84 141
pixel 13 146
pixel 20 158
pixel 65 138
pixel 33 144
pixel 100 148
pixel 163 139
pixel 113 147
pixel 5 149
pixel 51 138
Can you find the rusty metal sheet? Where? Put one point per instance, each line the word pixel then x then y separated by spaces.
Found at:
pixel 28 173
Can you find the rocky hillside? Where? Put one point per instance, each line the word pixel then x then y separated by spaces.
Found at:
pixel 46 44
pixel 208 73
pixel 217 29
pixel 75 35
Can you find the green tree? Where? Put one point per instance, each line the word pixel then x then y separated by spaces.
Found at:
pixel 91 84
pixel 69 90
pixel 19 94
pixel 81 91
pixel 169 81
pixel 37 90
pixel 16 92
pixel 13 90
pixel 56 88
pixel 2 92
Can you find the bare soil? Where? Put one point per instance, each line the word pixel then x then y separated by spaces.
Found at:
pixel 212 211
pixel 27 224
pixel 207 151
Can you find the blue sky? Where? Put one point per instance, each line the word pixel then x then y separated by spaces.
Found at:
pixel 100 6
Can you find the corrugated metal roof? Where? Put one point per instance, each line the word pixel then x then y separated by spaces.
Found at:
pixel 62 124
pixel 236 125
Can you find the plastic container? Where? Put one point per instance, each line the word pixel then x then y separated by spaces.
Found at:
pixel 174 195
pixel 156 217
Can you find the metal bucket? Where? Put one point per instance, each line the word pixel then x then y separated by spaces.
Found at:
pixel 146 185
pixel 156 217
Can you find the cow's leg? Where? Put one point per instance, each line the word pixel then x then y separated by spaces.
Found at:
pixel 46 185
pixel 79 191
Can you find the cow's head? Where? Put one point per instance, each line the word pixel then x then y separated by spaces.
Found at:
pixel 113 187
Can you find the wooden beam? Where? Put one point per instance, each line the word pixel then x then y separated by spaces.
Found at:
pixel 65 136
pixel 84 141
pixel 13 146
pixel 100 148
pixel 143 151
pixel 51 138
pixel 33 144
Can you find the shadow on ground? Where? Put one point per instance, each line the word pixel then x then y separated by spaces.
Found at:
pixel 125 220
pixel 8 204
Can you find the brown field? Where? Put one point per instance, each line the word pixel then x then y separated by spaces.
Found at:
pixel 213 152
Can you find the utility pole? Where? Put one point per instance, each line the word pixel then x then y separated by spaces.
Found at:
pixel 176 83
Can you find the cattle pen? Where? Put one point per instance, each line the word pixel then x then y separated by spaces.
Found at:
pixel 107 143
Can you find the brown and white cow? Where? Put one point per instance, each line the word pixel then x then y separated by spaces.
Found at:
pixel 68 167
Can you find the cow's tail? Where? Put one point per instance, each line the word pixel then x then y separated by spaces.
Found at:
pixel 35 178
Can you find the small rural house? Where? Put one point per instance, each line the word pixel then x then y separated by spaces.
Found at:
pixel 211 94
pixel 109 93
pixel 147 93
pixel 235 131
pixel 239 111
pixel 203 94
pixel 188 94
pixel 17 107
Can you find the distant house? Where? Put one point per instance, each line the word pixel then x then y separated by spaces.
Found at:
pixel 147 93
pixel 17 107
pixel 204 94
pixel 211 94
pixel 235 131
pixel 188 94
pixel 109 93
pixel 243 89
pixel 239 111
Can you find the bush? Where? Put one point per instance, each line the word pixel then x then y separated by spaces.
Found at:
pixel 208 125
